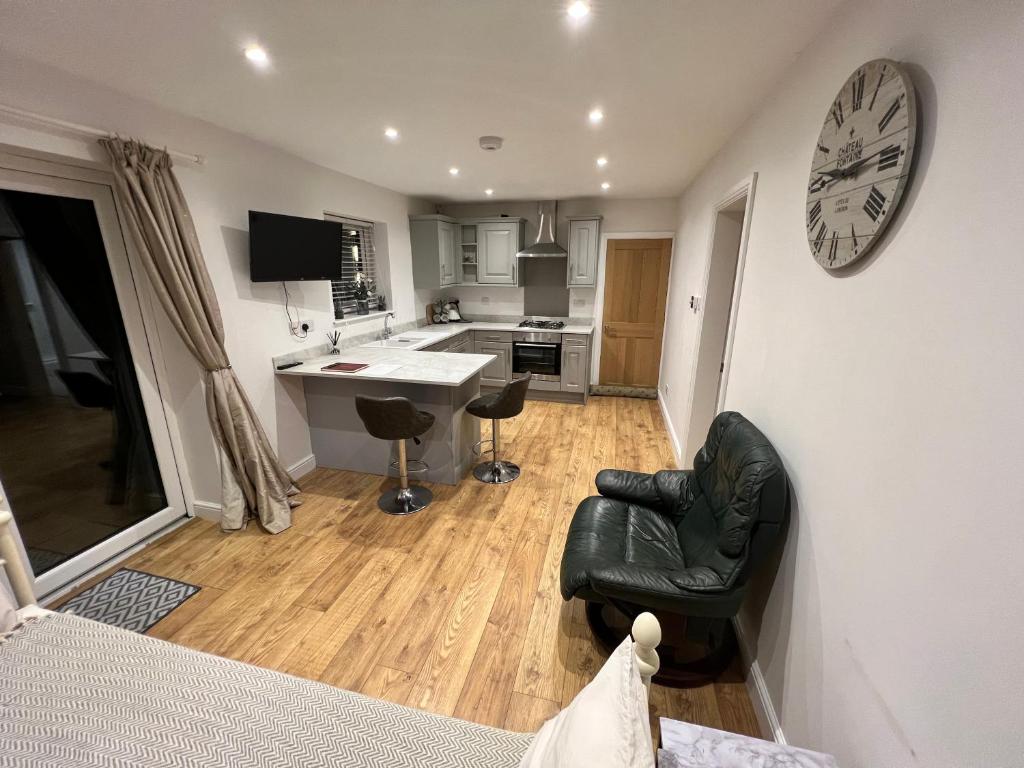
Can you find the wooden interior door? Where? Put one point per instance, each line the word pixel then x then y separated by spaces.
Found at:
pixel 635 288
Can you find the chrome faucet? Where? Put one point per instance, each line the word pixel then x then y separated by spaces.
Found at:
pixel 387 329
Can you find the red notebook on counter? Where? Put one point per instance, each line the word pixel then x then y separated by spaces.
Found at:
pixel 345 367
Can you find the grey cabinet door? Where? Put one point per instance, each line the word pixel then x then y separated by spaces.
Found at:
pixel 574 368
pixel 446 253
pixel 461 343
pixel 499 371
pixel 583 251
pixel 435 244
pixel 496 246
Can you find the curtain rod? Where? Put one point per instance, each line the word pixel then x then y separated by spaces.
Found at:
pixel 86 130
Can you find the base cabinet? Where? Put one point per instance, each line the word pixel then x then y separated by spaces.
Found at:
pixel 499 371
pixel 461 343
pixel 575 363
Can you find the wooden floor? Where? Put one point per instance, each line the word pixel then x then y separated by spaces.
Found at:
pixel 455 609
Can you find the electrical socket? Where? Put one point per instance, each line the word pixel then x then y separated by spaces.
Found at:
pixel 302 326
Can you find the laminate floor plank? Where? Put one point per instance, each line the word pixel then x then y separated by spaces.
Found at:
pixel 454 609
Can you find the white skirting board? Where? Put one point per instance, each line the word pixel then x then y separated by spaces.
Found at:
pixel 757 689
pixel 672 436
pixel 302 467
pixel 210 510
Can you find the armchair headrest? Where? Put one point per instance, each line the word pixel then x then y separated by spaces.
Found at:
pixel 733 467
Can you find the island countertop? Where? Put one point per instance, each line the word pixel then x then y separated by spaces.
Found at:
pixel 448 369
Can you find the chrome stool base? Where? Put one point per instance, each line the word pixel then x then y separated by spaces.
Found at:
pixel 405 501
pixel 496 472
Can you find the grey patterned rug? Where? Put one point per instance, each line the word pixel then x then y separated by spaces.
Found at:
pixel 130 599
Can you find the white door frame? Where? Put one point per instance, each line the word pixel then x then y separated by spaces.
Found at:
pixel 36 172
pixel 743 188
pixel 595 357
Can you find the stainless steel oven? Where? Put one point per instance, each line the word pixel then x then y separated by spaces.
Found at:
pixel 539 353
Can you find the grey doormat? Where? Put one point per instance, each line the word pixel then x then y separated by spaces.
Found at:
pixel 614 390
pixel 130 599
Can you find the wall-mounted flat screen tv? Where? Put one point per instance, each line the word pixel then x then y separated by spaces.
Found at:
pixel 293 248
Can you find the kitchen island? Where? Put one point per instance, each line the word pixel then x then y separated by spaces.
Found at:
pixel 442 383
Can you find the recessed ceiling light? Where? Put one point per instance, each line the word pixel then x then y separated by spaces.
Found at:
pixel 578 9
pixel 605 186
pixel 453 171
pixel 602 161
pixel 391 133
pixel 596 116
pixel 488 192
pixel 257 55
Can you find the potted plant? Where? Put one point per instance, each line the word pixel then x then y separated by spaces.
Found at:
pixel 362 288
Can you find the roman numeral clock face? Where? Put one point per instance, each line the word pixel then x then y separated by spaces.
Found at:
pixel 861 163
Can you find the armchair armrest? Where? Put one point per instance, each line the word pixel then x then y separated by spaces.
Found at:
pixel 634 487
pixel 665 491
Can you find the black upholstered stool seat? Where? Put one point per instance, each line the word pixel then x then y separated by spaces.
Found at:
pixel 496 406
pixel 396 418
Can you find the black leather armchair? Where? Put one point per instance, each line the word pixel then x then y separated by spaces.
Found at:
pixel 681 541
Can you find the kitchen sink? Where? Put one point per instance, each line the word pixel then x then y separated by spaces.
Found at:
pixel 392 343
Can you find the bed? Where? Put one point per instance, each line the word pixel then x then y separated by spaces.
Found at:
pixel 74 692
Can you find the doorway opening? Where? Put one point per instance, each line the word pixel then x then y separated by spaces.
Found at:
pixel 717 310
pixel 633 316
pixel 86 463
pixel 76 457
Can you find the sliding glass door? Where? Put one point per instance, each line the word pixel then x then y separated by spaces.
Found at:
pixel 86 463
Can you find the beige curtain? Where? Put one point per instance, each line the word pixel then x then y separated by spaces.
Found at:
pixel 158 220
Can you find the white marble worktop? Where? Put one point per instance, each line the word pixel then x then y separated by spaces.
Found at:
pixel 685 745
pixel 447 369
pixel 426 335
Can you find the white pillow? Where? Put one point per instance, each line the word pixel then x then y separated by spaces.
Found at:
pixel 8 611
pixel 605 726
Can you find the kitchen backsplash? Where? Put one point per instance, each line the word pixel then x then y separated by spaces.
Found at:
pixel 505 302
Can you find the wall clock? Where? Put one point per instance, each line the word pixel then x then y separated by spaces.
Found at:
pixel 861 163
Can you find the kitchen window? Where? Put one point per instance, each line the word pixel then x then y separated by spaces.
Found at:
pixel 358 264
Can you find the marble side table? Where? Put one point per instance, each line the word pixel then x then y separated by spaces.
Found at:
pixel 684 745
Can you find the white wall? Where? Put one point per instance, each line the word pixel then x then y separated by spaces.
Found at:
pixel 892 634
pixel 239 174
pixel 618 215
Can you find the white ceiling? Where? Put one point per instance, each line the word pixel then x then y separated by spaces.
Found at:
pixel 674 77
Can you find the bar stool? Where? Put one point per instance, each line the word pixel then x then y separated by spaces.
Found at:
pixel 396 418
pixel 497 406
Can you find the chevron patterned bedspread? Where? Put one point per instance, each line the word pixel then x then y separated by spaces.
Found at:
pixel 77 693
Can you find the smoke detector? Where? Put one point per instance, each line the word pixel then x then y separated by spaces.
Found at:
pixel 491 143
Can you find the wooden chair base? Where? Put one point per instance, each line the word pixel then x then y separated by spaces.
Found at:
pixel 678 668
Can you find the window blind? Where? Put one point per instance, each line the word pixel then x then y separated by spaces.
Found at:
pixel 358 262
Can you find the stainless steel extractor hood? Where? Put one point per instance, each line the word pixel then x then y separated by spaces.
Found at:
pixel 545 245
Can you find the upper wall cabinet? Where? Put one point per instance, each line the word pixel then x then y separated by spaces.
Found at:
pixel 435 251
pixel 584 239
pixel 497 243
